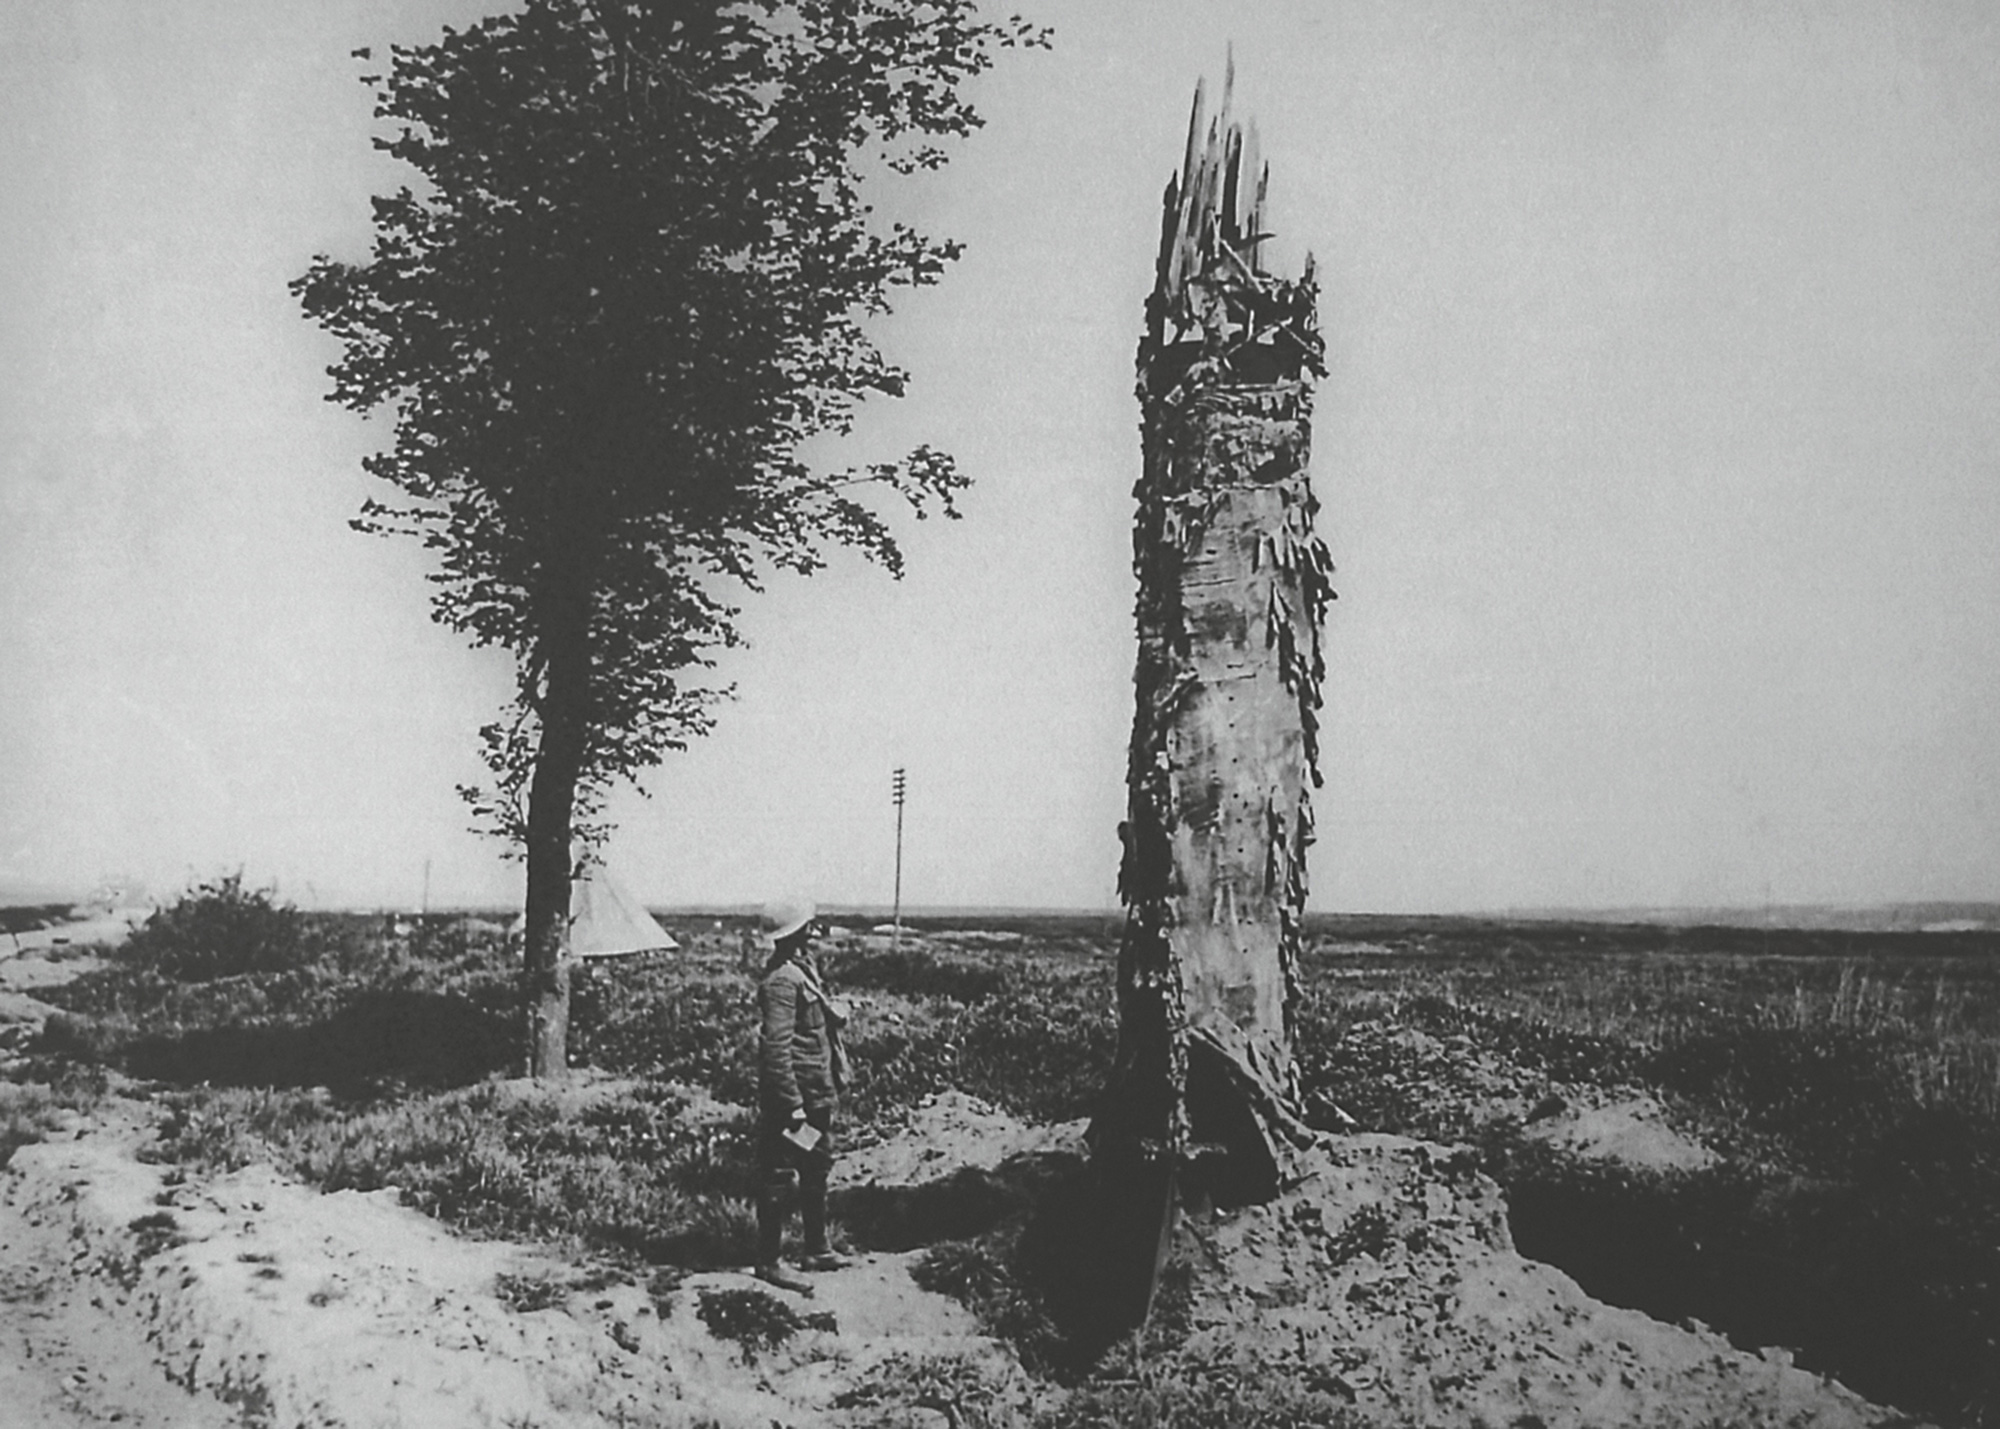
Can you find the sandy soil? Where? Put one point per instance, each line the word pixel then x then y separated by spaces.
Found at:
pixel 249 1298
pixel 1387 1278
pixel 97 930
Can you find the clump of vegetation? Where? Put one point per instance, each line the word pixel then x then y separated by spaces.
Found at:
pixel 754 1321
pixel 1197 1396
pixel 31 1110
pixel 156 1232
pixel 1032 1036
pixel 1042 1048
pixel 628 1174
pixel 356 1009
pixel 690 1019
pixel 965 1389
pixel 1854 1098
pixel 984 1276
pixel 219 929
pixel 918 971
pixel 525 1294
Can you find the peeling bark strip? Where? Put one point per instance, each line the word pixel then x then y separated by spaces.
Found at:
pixel 1233 586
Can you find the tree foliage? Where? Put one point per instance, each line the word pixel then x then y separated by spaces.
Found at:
pixel 632 279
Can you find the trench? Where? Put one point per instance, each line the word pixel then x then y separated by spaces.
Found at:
pixel 1898 1307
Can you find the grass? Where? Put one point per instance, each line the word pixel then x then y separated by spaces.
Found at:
pixel 1853 1081
pixel 629 1174
pixel 31 1110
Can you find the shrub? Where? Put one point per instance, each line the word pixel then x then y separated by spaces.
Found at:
pixel 984 1276
pixel 526 1294
pixel 219 929
pixel 27 918
pixel 755 1321
pixel 1823 1092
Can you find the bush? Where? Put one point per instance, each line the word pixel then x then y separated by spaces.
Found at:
pixel 220 929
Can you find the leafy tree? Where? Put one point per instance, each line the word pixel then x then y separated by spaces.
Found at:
pixel 632 281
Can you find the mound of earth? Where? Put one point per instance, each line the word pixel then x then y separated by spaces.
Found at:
pixel 949 1133
pixel 1632 1130
pixel 22 1014
pixel 127 1295
pixel 1388 1280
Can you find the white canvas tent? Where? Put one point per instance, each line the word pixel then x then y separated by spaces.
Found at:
pixel 606 921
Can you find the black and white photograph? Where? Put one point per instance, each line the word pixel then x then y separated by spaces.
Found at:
pixel 999 714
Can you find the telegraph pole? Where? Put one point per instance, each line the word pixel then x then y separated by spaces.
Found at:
pixel 897 789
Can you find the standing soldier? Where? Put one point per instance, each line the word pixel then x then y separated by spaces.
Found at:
pixel 800 1070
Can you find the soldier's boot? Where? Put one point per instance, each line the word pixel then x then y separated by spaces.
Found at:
pixel 770 1243
pixel 818 1254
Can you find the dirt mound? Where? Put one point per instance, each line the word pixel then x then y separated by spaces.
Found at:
pixel 1388 1280
pixel 952 1132
pixel 251 1298
pixel 1633 1131
pixel 22 1014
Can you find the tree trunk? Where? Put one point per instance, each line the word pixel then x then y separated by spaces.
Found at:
pixel 551 803
pixel 1233 584
pixel 545 981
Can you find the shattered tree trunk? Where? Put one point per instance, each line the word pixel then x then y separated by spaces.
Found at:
pixel 1233 584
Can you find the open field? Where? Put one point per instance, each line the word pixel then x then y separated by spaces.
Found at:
pixel 1793 1137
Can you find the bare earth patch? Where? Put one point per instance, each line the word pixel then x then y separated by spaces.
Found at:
pixel 250 1298
pixel 1632 1130
pixel 1389 1279
pixel 947 1133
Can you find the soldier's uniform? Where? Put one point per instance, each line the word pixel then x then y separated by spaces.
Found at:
pixel 796 1086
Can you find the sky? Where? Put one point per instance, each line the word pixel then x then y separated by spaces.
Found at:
pixel 1659 454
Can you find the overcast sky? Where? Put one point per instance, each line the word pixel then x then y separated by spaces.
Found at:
pixel 1660 455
